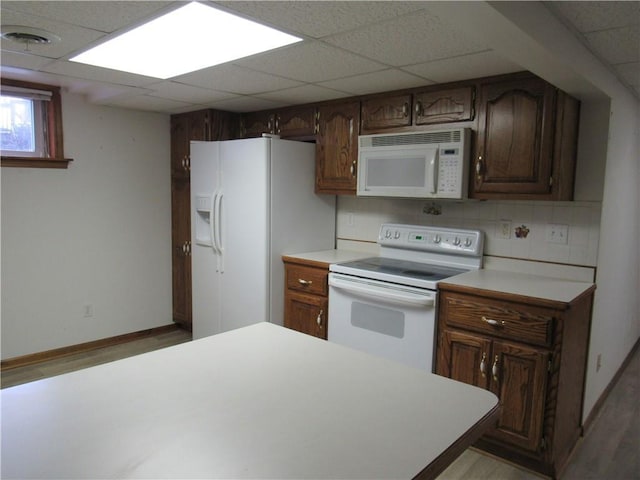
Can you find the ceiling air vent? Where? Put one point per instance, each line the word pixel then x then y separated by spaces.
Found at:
pixel 28 35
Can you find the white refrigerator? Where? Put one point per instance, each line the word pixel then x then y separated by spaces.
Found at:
pixel 252 201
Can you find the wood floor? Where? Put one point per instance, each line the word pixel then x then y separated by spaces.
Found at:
pixel 609 451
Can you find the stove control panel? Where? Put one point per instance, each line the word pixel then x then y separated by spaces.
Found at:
pixel 455 241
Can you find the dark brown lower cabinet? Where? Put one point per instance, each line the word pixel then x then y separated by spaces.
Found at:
pixel 532 354
pixel 306 300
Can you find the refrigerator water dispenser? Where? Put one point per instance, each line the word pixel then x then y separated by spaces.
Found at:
pixel 204 210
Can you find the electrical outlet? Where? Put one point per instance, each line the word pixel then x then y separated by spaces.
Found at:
pixel 503 229
pixel 88 311
pixel 557 233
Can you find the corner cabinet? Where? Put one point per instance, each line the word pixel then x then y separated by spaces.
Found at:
pixel 338 127
pixel 200 125
pixel 306 297
pixel 532 354
pixel 526 140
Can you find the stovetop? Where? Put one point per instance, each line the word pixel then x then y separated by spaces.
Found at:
pixel 397 270
pixel 418 255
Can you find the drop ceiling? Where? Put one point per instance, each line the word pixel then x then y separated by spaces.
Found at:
pixel 349 48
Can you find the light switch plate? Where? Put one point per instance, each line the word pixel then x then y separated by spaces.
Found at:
pixel 503 229
pixel 557 233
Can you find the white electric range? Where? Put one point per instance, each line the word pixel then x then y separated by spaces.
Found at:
pixel 386 305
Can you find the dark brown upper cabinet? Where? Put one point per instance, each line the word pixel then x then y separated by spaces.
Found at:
pixel 526 140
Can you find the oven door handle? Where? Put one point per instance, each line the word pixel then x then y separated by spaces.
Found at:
pixel 369 290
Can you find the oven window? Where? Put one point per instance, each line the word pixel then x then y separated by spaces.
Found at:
pixel 377 319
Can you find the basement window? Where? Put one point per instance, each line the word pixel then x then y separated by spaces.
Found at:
pixel 31 125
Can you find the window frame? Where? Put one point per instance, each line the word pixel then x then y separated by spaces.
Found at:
pixel 56 158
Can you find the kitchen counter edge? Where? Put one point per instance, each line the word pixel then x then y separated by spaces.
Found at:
pixel 520 284
pixel 324 258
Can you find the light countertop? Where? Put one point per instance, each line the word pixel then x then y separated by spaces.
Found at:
pixel 258 402
pixel 524 284
pixel 327 257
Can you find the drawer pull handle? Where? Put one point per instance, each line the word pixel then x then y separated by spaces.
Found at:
pixel 483 365
pixel 319 319
pixel 493 322
pixel 304 282
pixel 494 369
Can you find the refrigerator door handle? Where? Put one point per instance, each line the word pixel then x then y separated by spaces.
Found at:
pixel 212 222
pixel 218 230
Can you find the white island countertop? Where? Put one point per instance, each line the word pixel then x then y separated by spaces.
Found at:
pixel 258 402
pixel 522 284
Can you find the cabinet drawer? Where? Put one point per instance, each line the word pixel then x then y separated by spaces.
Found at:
pixel 307 279
pixel 498 318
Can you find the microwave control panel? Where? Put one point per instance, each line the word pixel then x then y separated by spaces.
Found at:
pixel 450 172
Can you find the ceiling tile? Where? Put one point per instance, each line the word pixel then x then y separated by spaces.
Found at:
pixel 81 70
pixel 317 19
pixel 630 72
pixel 381 81
pixel 23 60
pixel 408 40
pixel 186 93
pixel 304 94
pixel 246 104
pixel 620 45
pixel 310 62
pixel 594 16
pixel 464 67
pixel 102 16
pixel 235 79
pixel 145 102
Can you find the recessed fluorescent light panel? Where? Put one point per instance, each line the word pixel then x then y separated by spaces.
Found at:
pixel 187 39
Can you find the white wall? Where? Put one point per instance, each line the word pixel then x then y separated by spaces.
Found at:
pixel 95 234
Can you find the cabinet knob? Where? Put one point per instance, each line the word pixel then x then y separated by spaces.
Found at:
pixel 352 168
pixel 483 365
pixel 405 109
pixel 319 318
pixel 306 283
pixel 479 166
pixel 418 108
pixel 494 369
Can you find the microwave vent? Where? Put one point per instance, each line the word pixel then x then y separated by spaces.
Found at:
pixel 419 138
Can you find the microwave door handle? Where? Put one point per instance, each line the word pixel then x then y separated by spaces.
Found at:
pixel 433 171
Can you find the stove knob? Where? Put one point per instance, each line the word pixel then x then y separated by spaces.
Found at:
pixel 437 239
pixel 396 235
pixel 387 234
pixel 467 242
pixel 456 241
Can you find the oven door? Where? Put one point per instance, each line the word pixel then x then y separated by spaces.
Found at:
pixel 392 321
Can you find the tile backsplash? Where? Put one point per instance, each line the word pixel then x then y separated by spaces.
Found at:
pixel 556 232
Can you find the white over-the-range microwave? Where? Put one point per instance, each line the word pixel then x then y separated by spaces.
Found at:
pixel 429 164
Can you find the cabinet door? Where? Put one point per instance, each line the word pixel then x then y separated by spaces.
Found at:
pixel 296 123
pixel 181 251
pixel 256 123
pixel 180 146
pixel 514 145
pixel 464 357
pixel 442 106
pixel 337 148
pixel 519 379
pixel 306 313
pixel 184 128
pixel 385 112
